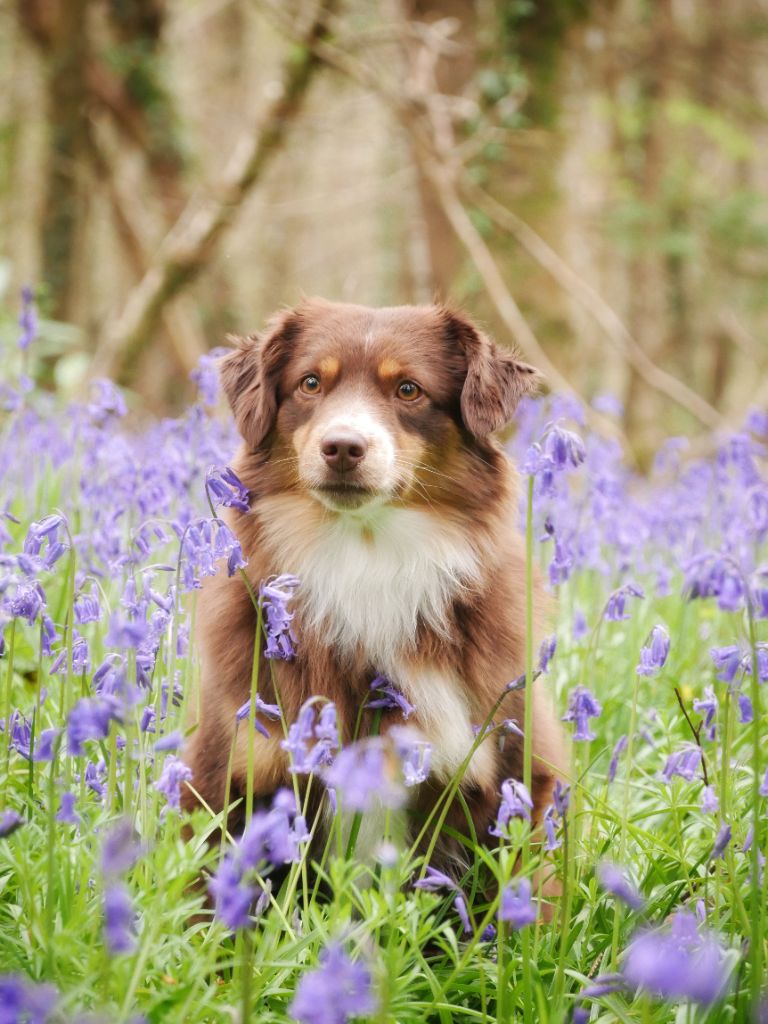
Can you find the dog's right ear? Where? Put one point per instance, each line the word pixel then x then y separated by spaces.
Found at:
pixel 250 376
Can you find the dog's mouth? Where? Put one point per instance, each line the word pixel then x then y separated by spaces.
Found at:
pixel 341 495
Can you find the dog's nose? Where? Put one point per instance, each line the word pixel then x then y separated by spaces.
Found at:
pixel 343 451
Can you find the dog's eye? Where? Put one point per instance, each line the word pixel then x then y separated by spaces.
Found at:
pixel 408 391
pixel 310 385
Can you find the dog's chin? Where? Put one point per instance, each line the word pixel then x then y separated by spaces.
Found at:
pixel 341 497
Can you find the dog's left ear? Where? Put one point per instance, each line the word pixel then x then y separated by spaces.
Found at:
pixel 495 380
pixel 250 374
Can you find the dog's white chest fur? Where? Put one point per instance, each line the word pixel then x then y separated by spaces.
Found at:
pixel 367 580
pixel 365 584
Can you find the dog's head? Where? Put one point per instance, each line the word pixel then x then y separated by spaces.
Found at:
pixel 360 406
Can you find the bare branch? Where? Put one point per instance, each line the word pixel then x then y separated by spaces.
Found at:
pixel 188 245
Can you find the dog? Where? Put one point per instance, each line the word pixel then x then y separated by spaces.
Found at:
pixel 375 478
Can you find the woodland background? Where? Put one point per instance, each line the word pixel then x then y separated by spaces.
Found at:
pixel 588 178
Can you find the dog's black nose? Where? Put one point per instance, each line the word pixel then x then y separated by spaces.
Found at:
pixel 343 451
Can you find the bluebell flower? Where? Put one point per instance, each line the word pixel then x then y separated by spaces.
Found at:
pixel 460 906
pixel 722 840
pixel 547 652
pixel 618 750
pixel 515 906
pixel 615 609
pixel 746 713
pixel 311 743
pixel 106 401
pixel 169 784
pixel 27 318
pixel 414 752
pixel 654 653
pixel 582 706
pixel 677 962
pixel 233 896
pixel 9 822
pixel 515 803
pixel 335 991
pixel 119 919
pixel 710 804
pixel 120 849
pixel 365 776
pixel 274 596
pixel 764 784
pixel 23 1001
pixel 684 762
pixel 206 375
pixel 171 741
pixel 387 695
pixel 707 706
pixel 434 881
pixel 271 711
pixel 89 719
pixel 66 812
pixel 728 661
pixel 44 745
pixel 88 607
pixel 614 881
pixel 226 489
pixel 46 531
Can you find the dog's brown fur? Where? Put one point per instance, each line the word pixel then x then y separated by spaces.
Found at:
pixel 454 472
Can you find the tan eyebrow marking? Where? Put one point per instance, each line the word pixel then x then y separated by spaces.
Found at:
pixel 390 368
pixel 329 367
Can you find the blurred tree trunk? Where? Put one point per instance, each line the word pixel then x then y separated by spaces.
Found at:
pixel 452 73
pixel 58 27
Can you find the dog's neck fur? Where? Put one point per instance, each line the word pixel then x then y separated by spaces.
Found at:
pixel 369 578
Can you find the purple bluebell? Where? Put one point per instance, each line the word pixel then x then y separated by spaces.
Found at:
pixel 45 744
pixel 561 797
pixel 337 990
pixel 580 628
pixel 27 601
pixel 27 318
pixel 654 653
pixel 550 829
pixel 95 776
pixel 684 762
pixel 90 719
pixel 677 962
pixel 233 896
pixel 174 773
pixel 20 734
pixel 226 489
pixel 414 752
pixel 270 711
pixel 171 741
pixel 618 750
pixel 46 532
pixel 363 776
pixel 434 881
pixel 274 596
pixel 120 849
pixel 106 401
pixel 516 907
pixel 582 706
pixel 460 906
pixel 515 803
pixel 728 661
pixel 615 609
pixel 312 743
pixel 119 919
pixel 712 575
pixel 613 879
pixel 710 804
pixel 206 376
pixel 707 706
pixel 88 606
pixel 9 822
pixel 603 985
pixel 23 1001
pixel 387 695
pixel 547 652
pixel 66 812
pixel 746 713
pixel 722 840
pixel 764 784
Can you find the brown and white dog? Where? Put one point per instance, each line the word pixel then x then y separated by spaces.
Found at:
pixel 375 478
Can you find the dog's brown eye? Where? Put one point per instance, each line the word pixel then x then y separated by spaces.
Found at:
pixel 408 391
pixel 310 385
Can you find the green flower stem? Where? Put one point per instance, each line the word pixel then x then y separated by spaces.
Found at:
pixel 757 903
pixel 7 712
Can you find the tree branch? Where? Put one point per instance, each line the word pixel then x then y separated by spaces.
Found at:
pixel 188 245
